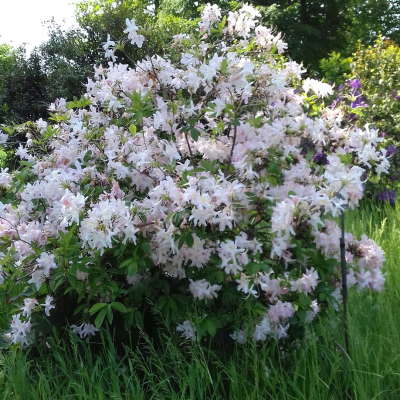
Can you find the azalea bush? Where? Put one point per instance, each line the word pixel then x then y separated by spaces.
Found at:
pixel 192 190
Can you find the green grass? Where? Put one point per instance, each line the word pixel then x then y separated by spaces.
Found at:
pixel 319 369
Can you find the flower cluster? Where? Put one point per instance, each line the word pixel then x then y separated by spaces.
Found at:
pixel 189 185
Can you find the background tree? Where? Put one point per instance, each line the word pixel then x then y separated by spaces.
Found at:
pixel 7 59
pixel 315 28
pixel 312 28
pixel 371 17
pixel 23 86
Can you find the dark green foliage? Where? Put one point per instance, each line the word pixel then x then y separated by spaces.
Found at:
pixel 315 28
pixel 371 17
pixel 311 28
pixel 22 88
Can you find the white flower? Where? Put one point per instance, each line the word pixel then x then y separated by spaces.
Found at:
pixel 47 306
pixel 84 330
pixel 131 30
pixel 210 15
pixel 29 305
pixel 3 138
pixel 239 336
pixel 88 330
pixel 108 43
pixel 201 289
pixel 306 283
pixel 130 26
pixel 46 261
pixel 321 89
pixel 37 278
pixel 76 329
pixel 19 329
pixel 244 286
pixel 109 49
pixel 188 330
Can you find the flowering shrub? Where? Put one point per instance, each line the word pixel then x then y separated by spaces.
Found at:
pixel 190 188
pixel 376 68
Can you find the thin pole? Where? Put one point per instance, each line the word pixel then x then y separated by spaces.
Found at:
pixel 344 284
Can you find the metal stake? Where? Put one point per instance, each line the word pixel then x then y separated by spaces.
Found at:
pixel 344 284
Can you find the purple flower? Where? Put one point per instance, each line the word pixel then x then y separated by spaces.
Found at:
pixel 320 158
pixel 340 87
pixel 387 195
pixel 390 150
pixel 356 103
pixel 355 83
pixel 359 102
pixel 306 146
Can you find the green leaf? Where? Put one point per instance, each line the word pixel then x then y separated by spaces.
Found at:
pixel 252 268
pixel 80 308
pixel 220 126
pixel 272 180
pixel 224 65
pixel 181 242
pixel 96 307
pixel 132 268
pixel 169 216
pixel 141 262
pixel 87 156
pixel 132 129
pixel 126 262
pixel 27 292
pixel 257 309
pixel 217 323
pixel 189 240
pixel 273 168
pixel 172 306
pixel 139 319
pixel 145 246
pixel 210 325
pixel 177 219
pixel 302 315
pixel 100 317
pixel 66 237
pixel 110 314
pixel 161 303
pixel 194 133
pixel 129 321
pixel 164 285
pixel 118 306
pixel 346 159
pixel 142 217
